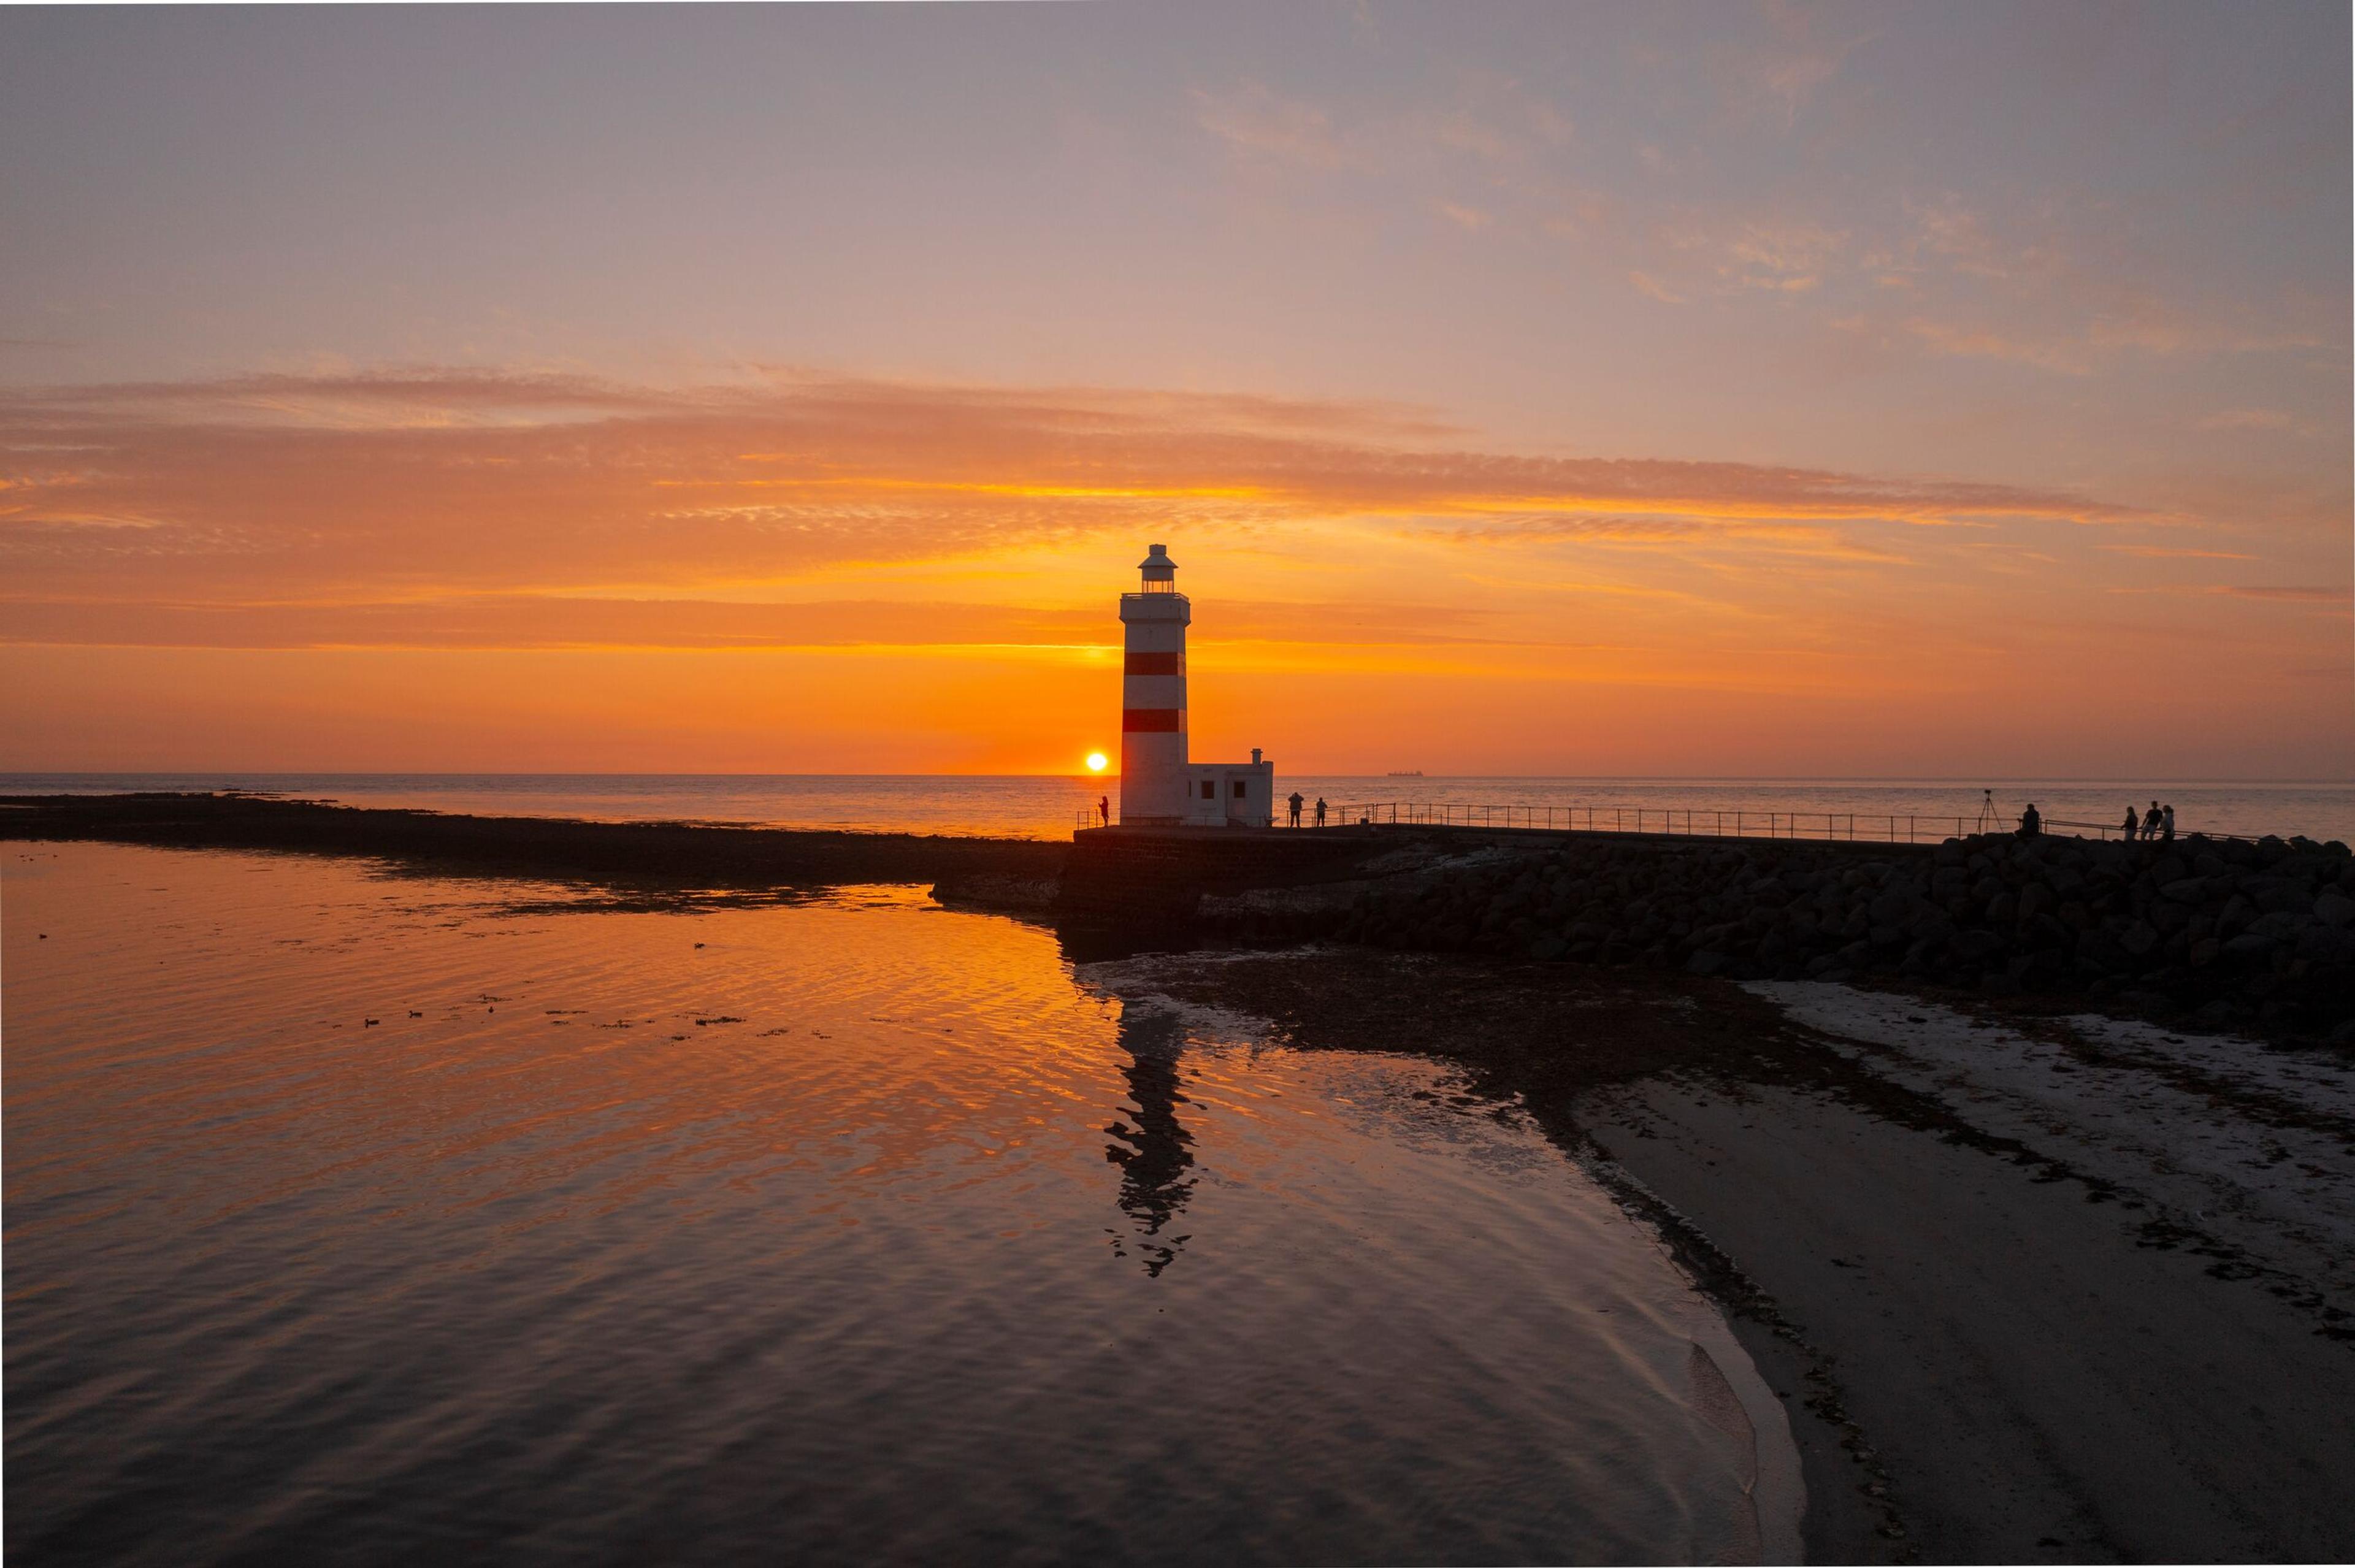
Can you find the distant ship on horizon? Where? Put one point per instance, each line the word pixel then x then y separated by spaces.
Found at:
pixel 1403 774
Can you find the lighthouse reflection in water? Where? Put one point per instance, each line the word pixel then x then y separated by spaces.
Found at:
pixel 1152 1149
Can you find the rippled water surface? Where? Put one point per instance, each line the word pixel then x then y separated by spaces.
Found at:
pixel 355 1217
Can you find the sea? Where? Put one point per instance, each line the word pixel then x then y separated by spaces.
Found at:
pixel 1050 806
pixel 361 1216
pixel 356 1214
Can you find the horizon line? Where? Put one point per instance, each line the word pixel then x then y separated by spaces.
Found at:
pixel 1972 781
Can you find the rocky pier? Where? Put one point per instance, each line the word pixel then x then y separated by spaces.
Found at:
pixel 2222 931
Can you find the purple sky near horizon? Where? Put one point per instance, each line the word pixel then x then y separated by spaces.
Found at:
pixel 1490 332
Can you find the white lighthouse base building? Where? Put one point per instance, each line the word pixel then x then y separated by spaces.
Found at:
pixel 1231 795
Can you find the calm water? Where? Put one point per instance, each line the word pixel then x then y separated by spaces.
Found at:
pixel 1046 807
pixel 852 1230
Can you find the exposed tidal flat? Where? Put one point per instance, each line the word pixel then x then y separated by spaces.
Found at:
pixel 1425 1241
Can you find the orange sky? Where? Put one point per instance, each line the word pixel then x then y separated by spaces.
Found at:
pixel 1566 397
pixel 792 575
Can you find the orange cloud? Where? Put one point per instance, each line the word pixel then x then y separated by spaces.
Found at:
pixel 463 481
pixel 2164 552
pixel 2065 357
pixel 567 622
pixel 2314 595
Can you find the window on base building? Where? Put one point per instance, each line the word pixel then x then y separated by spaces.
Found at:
pixel 1239 789
pixel 1209 790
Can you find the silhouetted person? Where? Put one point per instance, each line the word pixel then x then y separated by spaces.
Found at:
pixel 2031 823
pixel 1103 809
pixel 2150 821
pixel 2166 823
pixel 1320 811
pixel 1296 803
pixel 2133 822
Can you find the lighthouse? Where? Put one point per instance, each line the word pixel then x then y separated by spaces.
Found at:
pixel 1153 695
pixel 1159 788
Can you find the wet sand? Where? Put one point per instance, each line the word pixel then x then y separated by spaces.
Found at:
pixel 2031 1288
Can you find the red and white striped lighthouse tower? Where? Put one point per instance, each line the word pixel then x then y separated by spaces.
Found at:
pixel 1154 779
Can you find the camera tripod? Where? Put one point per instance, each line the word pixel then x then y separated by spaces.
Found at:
pixel 1990 820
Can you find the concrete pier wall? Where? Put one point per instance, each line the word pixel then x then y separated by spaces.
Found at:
pixel 1161 872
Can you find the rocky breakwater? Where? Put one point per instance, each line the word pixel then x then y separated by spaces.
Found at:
pixel 2227 932
pixel 637 855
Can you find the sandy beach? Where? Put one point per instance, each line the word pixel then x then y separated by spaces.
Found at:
pixel 2030 1289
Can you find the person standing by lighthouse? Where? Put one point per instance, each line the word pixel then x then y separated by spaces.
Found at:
pixel 1154 780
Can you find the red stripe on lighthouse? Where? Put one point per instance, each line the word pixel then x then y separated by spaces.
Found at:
pixel 1152 720
pixel 1154 664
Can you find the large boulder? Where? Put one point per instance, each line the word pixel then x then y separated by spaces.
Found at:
pixel 1893 908
pixel 1978 946
pixel 2326 944
pixel 2249 945
pixel 2279 895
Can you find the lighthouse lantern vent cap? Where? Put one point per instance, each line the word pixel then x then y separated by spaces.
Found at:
pixel 1160 571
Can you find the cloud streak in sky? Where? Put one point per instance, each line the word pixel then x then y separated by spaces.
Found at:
pixel 268 487
pixel 529 621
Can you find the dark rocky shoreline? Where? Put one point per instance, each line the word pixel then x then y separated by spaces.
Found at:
pixel 669 854
pixel 2225 932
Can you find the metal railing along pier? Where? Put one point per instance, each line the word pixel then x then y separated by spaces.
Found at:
pixel 1687 822
pixel 1683 822
pixel 1694 822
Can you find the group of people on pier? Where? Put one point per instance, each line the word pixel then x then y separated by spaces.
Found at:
pixel 2155 825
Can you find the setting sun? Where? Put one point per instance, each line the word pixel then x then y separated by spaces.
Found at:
pixel 1096 761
